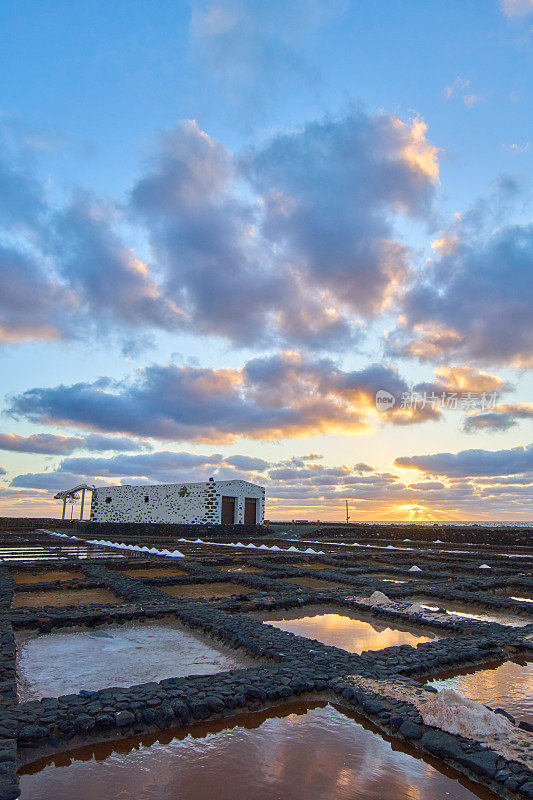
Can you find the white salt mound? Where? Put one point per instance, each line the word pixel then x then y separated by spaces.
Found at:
pixel 455 714
pixel 415 608
pixel 485 566
pixel 379 599
pixel 414 568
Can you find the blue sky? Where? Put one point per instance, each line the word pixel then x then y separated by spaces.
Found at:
pixel 247 217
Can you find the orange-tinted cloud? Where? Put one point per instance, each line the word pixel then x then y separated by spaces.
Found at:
pixel 280 396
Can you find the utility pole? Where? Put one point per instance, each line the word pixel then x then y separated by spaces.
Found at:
pixel 347 513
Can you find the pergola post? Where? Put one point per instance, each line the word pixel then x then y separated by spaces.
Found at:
pixel 82 502
pixel 64 507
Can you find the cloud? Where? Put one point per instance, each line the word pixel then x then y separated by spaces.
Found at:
pixel 320 491
pixel 294 242
pixel 104 273
pixel 17 494
pixel 464 378
pixel 279 396
pixel 22 196
pixel 445 244
pixel 500 418
pixel 247 463
pixel 299 461
pixel 333 218
pixel 471 100
pixel 306 490
pixel 426 486
pixel 164 466
pixel 54 481
pixel 456 86
pixel 252 50
pixel 159 467
pixel 53 444
pixel 516 8
pixel 440 320
pixel 469 463
pixel 308 244
pixel 124 443
pixel 517 148
pixel 3 471
pixel 65 270
pixel 30 302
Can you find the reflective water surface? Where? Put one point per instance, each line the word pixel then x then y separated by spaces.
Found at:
pixel 39 553
pixel 313 753
pixel 191 590
pixel 508 686
pixel 472 612
pixel 340 630
pixel 386 578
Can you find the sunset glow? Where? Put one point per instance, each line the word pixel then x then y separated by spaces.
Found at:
pixel 288 243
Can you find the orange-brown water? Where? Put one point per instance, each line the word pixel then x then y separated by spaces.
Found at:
pixel 221 589
pixel 64 597
pixel 340 630
pixel 386 577
pixel 518 594
pixel 52 575
pixel 152 572
pixel 317 583
pixel 314 753
pixel 508 686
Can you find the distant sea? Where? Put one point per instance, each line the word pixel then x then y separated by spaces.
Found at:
pixel 513 523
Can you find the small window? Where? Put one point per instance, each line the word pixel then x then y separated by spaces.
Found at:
pixel 146 498
pixel 108 499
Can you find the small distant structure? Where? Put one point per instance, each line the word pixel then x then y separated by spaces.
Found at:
pixel 72 495
pixel 233 502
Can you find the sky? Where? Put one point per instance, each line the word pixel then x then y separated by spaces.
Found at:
pixel 288 241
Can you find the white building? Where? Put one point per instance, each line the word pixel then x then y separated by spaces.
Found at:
pixel 215 502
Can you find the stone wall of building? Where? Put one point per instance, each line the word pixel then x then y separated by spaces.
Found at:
pixel 177 503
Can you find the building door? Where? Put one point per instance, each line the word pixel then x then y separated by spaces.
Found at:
pixel 227 517
pixel 250 504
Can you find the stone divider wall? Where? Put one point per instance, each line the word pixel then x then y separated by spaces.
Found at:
pixel 289 666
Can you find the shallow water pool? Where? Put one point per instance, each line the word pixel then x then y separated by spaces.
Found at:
pixel 349 633
pixel 313 753
pixel 508 686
